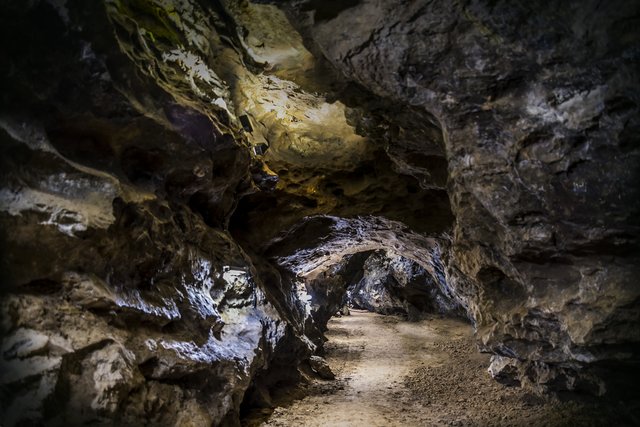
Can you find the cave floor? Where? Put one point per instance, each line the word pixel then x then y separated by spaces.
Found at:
pixel 391 372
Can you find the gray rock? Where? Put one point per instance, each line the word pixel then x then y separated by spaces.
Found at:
pixel 160 257
pixel 537 117
pixel 321 367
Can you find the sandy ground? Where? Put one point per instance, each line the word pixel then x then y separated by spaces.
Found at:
pixel 391 372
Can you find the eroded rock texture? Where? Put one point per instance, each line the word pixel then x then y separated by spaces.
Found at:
pixel 124 298
pixel 373 263
pixel 539 106
pixel 189 189
pixel 393 284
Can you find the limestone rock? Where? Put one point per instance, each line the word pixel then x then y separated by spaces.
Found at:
pixel 392 284
pixel 321 367
pixel 124 299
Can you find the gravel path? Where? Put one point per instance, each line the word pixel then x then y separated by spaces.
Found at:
pixel 391 372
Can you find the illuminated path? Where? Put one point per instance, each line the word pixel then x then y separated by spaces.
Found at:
pixel 392 372
pixel 371 355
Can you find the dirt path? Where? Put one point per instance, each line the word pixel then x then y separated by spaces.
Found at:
pixel 396 373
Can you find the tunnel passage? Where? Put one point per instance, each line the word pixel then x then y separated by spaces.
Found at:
pixel 393 284
pixel 341 255
pixel 179 179
pixel 326 258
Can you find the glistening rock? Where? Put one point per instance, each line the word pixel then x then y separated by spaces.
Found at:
pixel 538 104
pixel 161 256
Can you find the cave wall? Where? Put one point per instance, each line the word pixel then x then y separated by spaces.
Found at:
pixel 392 284
pixel 538 103
pixel 374 263
pixel 180 179
pixel 124 298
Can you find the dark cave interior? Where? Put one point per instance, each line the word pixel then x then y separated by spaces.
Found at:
pixel 190 190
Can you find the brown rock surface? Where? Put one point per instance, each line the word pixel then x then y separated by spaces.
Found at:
pixel 538 106
pixel 188 189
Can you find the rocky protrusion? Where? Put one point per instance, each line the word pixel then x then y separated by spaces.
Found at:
pixel 321 367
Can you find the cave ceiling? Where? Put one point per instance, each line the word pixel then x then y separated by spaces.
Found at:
pixel 331 146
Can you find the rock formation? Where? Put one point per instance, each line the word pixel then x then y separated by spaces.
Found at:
pixel 391 283
pixel 539 109
pixel 189 189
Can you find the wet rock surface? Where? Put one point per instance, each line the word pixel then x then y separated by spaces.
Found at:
pixel 538 118
pixel 189 189
pixel 125 300
pixel 392 284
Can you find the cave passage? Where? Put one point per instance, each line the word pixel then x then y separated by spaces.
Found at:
pixel 189 189
pixel 394 372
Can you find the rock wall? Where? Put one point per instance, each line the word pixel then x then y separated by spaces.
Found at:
pixel 393 284
pixel 124 299
pixel 187 187
pixel 374 263
pixel 538 103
